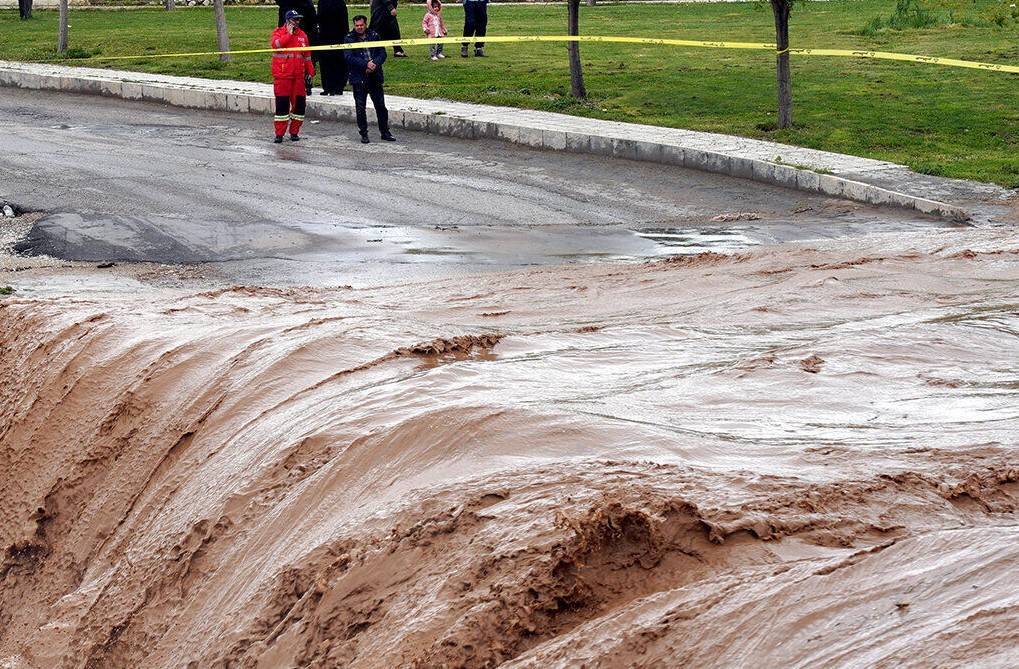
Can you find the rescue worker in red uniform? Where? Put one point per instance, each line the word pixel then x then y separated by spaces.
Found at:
pixel 289 71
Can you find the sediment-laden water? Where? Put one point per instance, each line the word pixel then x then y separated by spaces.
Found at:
pixel 794 456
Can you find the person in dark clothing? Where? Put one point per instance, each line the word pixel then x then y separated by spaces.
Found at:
pixel 364 67
pixel 333 26
pixel 303 7
pixel 25 9
pixel 384 22
pixel 475 25
pixel 309 23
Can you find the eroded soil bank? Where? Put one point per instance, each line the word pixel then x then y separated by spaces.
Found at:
pixel 797 456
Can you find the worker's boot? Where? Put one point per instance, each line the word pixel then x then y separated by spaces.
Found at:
pixel 463 51
pixel 479 51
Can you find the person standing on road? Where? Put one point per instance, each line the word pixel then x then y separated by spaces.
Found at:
pixel 384 22
pixel 289 71
pixel 364 67
pixel 475 25
pixel 333 26
pixel 306 8
pixel 434 26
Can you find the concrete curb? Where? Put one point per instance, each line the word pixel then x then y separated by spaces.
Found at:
pixel 766 162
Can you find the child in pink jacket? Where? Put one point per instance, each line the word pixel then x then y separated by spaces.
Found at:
pixel 434 26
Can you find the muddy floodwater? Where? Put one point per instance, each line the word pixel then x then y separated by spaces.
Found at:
pixel 799 455
pixel 450 404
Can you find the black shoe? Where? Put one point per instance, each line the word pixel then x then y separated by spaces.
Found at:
pixel 364 139
pixel 294 138
pixel 400 54
pixel 388 137
pixel 463 51
pixel 278 140
pixel 480 53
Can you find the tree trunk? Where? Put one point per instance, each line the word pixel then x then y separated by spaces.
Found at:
pixel 576 73
pixel 62 31
pixel 222 38
pixel 782 9
pixel 25 9
pixel 168 4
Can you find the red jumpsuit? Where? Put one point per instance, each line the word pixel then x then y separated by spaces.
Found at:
pixel 288 71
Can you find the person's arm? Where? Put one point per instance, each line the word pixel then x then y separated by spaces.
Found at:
pixel 425 24
pixel 378 55
pixel 282 39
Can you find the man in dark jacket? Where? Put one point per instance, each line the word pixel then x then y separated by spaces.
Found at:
pixel 364 67
pixel 384 22
pixel 333 26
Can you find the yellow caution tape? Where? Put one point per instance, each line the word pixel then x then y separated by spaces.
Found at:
pixel 848 53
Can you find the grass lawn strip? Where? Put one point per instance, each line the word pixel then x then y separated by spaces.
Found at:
pixel 937 120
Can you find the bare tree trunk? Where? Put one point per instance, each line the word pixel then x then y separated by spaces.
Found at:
pixel 25 9
pixel 222 38
pixel 576 73
pixel 168 4
pixel 62 32
pixel 782 9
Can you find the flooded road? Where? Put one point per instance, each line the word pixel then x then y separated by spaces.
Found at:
pixel 523 415
pixel 692 460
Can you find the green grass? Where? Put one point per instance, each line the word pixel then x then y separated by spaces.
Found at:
pixel 952 122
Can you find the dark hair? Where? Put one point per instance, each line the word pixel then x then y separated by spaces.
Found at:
pixel 359 17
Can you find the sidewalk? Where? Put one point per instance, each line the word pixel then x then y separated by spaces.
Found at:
pixel 837 175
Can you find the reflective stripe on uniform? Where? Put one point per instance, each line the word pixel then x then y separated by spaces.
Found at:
pixel 295 117
pixel 286 55
pixel 281 118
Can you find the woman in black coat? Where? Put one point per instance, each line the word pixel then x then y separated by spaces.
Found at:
pixel 333 26
pixel 385 23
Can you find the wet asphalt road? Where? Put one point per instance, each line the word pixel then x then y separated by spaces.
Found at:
pixel 129 181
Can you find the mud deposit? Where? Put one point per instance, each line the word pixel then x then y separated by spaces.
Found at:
pixel 801 456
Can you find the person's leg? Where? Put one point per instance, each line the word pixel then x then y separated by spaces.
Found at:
pixel 480 26
pixel 341 75
pixel 327 71
pixel 394 28
pixel 379 102
pixel 297 114
pixel 439 48
pixel 281 89
pixel 433 50
pixel 468 25
pixel 360 92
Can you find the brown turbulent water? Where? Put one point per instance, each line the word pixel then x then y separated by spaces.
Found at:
pixel 799 456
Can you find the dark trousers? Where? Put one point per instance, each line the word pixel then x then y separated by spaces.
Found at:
pixel 475 20
pixel 371 87
pixel 388 27
pixel 333 68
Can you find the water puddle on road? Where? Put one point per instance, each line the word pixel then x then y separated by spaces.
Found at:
pixel 699 240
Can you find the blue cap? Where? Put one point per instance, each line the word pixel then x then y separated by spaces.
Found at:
pixel 292 14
